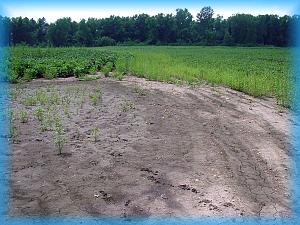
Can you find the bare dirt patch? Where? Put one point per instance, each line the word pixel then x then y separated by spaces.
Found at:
pixel 144 148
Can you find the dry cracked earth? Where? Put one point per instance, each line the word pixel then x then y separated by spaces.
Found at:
pixel 162 150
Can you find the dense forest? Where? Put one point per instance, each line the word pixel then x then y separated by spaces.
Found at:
pixel 161 29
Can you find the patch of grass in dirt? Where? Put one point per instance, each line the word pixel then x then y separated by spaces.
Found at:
pixel 53 108
pixel 139 90
pixel 127 105
pixel 88 78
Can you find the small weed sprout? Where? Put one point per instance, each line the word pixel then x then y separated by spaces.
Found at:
pixel 59 141
pixel 93 99
pixel 95 133
pixel 13 131
pixel 23 115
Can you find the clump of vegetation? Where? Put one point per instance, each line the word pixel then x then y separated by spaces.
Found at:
pixel 59 141
pixel 94 99
pixel 39 114
pixel 26 63
pixel 107 69
pixel 118 75
pixel 23 116
pixel 96 96
pixel 139 90
pixel 30 101
pixel 50 72
pixel 127 105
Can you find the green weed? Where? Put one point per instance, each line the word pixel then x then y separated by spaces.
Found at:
pixel 127 105
pixel 23 116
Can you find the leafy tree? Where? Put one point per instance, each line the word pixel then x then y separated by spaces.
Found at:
pixel 60 32
pixel 41 31
pixel 181 28
pixel 183 20
pixel 205 21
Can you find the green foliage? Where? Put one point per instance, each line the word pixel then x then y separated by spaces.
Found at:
pixel 39 114
pixel 118 75
pixel 178 28
pixel 255 71
pixel 29 74
pixel 94 99
pixel 29 63
pixel 107 68
pixel 50 72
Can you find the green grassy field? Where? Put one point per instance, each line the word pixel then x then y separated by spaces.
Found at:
pixel 255 71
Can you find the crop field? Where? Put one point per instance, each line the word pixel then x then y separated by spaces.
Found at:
pixel 255 71
pixel 95 131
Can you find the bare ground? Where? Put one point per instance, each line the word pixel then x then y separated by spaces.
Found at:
pixel 162 150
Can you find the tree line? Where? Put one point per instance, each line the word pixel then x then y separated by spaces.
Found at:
pixel 161 29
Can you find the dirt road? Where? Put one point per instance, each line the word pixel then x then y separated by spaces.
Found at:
pixel 163 150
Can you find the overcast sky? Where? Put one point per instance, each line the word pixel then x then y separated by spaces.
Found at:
pixel 77 10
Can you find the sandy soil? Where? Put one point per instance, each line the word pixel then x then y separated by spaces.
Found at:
pixel 162 150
